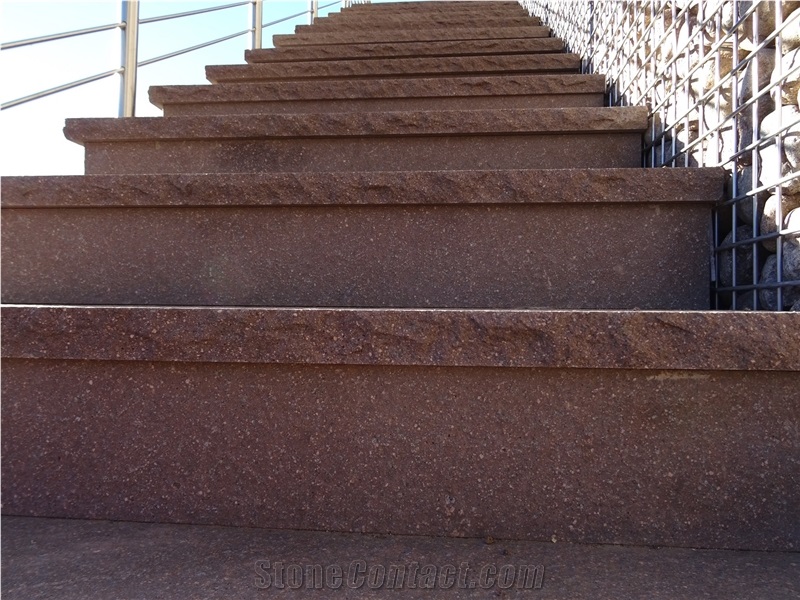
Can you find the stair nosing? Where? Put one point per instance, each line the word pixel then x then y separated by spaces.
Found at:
pixel 385 88
pixel 537 121
pixel 388 188
pixel 507 338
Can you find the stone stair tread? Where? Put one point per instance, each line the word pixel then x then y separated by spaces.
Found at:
pixel 410 123
pixel 371 37
pixel 403 91
pixel 411 140
pixel 402 23
pixel 571 339
pixel 533 186
pixel 504 390
pixel 389 8
pixel 404 49
pixel 436 239
pixel 72 560
pixel 396 67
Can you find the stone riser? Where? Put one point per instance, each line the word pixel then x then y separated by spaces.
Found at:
pixel 397 67
pixel 541 256
pixel 309 155
pixel 404 49
pixel 370 37
pixel 654 455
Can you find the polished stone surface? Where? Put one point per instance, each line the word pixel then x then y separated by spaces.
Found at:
pixel 438 66
pixel 74 560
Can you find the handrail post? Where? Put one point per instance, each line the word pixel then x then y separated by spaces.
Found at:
pixel 313 10
pixel 258 22
pixel 130 57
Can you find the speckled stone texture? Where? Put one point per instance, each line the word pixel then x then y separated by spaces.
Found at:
pixel 389 8
pixel 397 141
pixel 626 456
pixel 529 253
pixel 373 95
pixel 556 339
pixel 74 560
pixel 405 49
pixel 406 35
pixel 415 22
pixel 236 405
pixel 443 66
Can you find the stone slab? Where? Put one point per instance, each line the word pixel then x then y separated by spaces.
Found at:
pixel 388 8
pixel 375 95
pixel 450 18
pixel 654 341
pixel 440 66
pixel 404 49
pixel 437 241
pixel 421 22
pixel 393 141
pixel 72 559
pixel 649 456
pixel 372 37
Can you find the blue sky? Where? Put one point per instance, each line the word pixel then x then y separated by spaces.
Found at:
pixel 32 138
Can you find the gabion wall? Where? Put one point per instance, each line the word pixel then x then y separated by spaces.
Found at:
pixel 721 80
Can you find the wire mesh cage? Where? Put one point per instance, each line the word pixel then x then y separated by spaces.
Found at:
pixel 721 80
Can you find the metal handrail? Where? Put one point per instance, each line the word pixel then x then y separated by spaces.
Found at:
pixel 60 88
pixel 59 36
pixel 150 61
pixel 190 13
pixel 129 25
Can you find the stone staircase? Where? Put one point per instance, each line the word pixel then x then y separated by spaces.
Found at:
pixel 401 275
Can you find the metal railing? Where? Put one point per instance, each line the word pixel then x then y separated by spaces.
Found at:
pixel 720 79
pixel 129 27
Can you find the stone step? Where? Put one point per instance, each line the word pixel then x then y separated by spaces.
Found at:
pixel 72 560
pixel 374 95
pixel 405 50
pixel 373 37
pixel 597 427
pixel 346 142
pixel 506 239
pixel 439 66
pixel 427 22
pixel 387 9
pixel 472 17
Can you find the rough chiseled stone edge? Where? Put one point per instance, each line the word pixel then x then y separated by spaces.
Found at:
pixel 487 85
pixel 349 37
pixel 424 7
pixel 391 23
pixel 606 120
pixel 395 67
pixel 658 340
pixel 538 186
pixel 403 49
